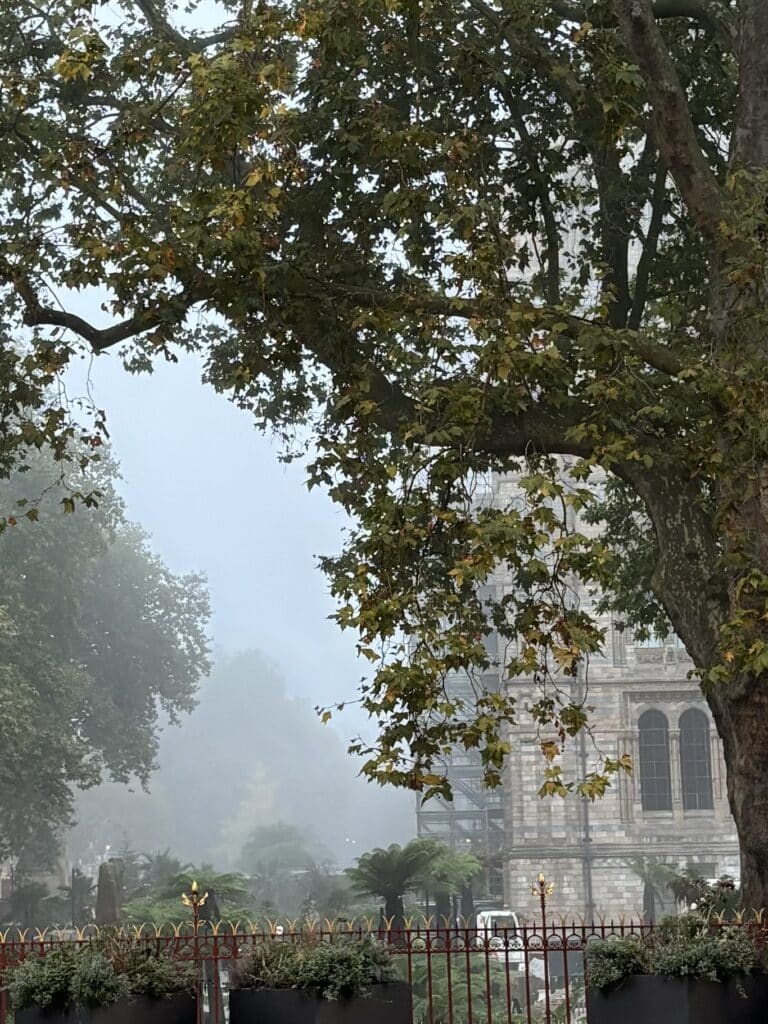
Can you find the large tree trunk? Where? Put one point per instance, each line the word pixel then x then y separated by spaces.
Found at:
pixel 738 317
pixel 742 722
pixel 394 911
pixel 734 545
pixel 443 909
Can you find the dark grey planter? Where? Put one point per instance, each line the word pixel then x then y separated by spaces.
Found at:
pixel 179 1009
pixel 387 1004
pixel 654 1000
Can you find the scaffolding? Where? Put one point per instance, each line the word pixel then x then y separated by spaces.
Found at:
pixel 473 821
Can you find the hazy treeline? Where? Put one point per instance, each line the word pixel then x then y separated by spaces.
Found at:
pixel 248 755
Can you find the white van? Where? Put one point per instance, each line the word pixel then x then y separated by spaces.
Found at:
pixel 499 931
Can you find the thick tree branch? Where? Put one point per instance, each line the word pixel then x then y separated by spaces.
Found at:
pixel 643 275
pixel 659 357
pixel 185 44
pixel 100 339
pixel 708 12
pixel 675 133
pixel 542 186
pixel 538 431
pixel 614 231
pixel 686 579
pixel 656 356
pixel 750 137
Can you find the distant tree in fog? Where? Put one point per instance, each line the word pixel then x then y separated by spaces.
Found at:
pixel 250 756
pixel 98 640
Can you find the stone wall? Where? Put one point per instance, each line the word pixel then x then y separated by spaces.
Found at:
pixel 584 847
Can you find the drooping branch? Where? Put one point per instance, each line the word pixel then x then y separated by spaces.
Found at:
pixel 658 357
pixel 674 129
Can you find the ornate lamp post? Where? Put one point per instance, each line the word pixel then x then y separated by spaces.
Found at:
pixel 196 899
pixel 544 889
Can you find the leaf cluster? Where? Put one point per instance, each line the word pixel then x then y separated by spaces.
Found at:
pixel 688 946
pixel 97 974
pixel 340 969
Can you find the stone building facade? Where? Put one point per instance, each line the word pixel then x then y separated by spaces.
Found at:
pixel 672 808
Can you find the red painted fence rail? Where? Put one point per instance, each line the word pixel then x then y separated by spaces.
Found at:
pixel 532 974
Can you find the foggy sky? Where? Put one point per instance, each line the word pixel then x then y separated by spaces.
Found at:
pixel 213 495
pixel 210 490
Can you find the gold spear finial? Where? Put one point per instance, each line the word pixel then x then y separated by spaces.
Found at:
pixel 541 887
pixel 194 898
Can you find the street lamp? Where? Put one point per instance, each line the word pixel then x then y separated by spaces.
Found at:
pixel 544 889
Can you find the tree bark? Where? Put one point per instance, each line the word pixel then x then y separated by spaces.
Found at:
pixel 442 908
pixel 394 911
pixel 742 723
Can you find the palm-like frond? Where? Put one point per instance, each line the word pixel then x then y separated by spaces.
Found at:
pixel 390 873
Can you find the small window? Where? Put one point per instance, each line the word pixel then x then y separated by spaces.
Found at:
pixel 655 775
pixel 619 645
pixel 695 761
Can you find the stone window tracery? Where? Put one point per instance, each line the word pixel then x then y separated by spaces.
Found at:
pixel 655 770
pixel 695 761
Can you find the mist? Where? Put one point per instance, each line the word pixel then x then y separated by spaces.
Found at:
pixel 250 755
pixel 214 497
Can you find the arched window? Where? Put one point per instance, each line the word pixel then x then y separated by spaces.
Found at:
pixel 655 776
pixel 695 761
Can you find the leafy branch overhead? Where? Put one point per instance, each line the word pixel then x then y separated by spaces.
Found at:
pixel 453 240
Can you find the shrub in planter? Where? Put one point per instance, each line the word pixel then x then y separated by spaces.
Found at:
pixel 688 970
pixel 317 982
pixel 109 982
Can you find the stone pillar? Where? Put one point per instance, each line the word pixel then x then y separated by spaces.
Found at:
pixel 677 782
pixel 627 782
pixel 719 790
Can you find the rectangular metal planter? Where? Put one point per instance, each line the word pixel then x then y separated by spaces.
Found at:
pixel 387 1004
pixel 654 1000
pixel 179 1009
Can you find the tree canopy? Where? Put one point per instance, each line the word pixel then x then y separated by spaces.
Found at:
pixel 454 239
pixel 99 643
pixel 281 847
